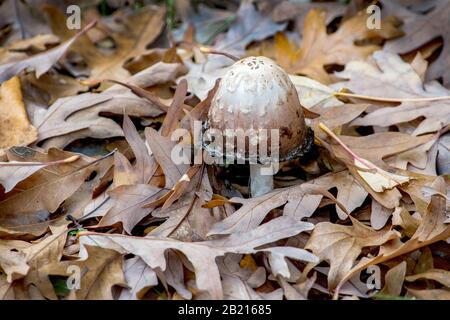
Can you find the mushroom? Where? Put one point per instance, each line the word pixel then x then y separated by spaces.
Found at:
pixel 256 96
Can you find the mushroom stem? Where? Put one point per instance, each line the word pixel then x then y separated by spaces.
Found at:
pixel 259 183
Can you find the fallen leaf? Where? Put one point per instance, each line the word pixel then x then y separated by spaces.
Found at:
pixel 44 187
pixel 12 172
pixel 378 179
pixel 431 229
pixel 144 167
pixel 350 193
pixel 18 50
pixel 379 215
pixel 162 148
pixel 202 254
pixel 174 274
pixel 393 78
pixel 341 245
pixel 402 218
pixel 131 31
pixel 310 58
pixel 420 29
pixel 394 280
pixel 288 10
pixel 79 116
pixel 335 117
pixel 314 95
pixel 99 273
pixel 206 21
pixel 31 21
pixel 41 62
pixel 249 25
pixel 36 256
pixel 128 205
pixel 439 275
pixel 16 128
pixel 254 210
pixel 298 291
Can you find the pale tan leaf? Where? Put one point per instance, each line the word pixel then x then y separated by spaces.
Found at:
pixel 394 280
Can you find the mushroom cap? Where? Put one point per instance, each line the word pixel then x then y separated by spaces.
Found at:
pixel 256 93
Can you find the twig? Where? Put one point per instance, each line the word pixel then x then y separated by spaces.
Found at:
pixel 212 51
pixel 209 50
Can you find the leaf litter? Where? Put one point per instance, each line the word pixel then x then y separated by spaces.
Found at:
pixel 88 177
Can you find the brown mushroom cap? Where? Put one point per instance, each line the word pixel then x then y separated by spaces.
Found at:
pixel 256 93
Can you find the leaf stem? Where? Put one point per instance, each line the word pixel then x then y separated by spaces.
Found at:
pixel 33 163
pixel 343 145
pixel 359 96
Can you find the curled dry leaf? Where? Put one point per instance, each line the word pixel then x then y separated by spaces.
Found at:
pixel 127 205
pixel 394 280
pixel 16 127
pixel 312 94
pixel 378 179
pixel 350 193
pixel 237 279
pixel 29 262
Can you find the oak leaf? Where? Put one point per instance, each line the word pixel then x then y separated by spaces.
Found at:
pixel 40 62
pixel 431 229
pixel 79 116
pixel 311 57
pixel 28 262
pixel 202 255
pixel 131 31
pixel 44 188
pixel 422 28
pixel 393 78
pixel 303 198
pixel 99 273
pixel 341 245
